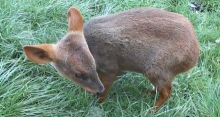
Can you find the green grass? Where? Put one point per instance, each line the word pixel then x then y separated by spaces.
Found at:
pixel 28 89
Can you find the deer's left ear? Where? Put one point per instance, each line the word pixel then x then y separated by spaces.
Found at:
pixel 40 54
pixel 75 20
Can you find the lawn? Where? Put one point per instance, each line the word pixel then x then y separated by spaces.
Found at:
pixel 28 89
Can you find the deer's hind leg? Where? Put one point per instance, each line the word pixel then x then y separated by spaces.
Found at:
pixel 164 86
pixel 164 93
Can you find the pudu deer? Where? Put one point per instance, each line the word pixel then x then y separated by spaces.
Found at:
pixel 157 43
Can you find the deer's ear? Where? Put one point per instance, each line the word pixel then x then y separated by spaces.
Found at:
pixel 75 20
pixel 40 54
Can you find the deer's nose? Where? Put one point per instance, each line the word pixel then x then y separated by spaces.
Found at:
pixel 100 91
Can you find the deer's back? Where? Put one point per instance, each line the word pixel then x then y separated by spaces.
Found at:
pixel 142 39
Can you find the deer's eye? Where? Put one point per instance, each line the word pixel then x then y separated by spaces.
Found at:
pixel 78 75
pixel 81 76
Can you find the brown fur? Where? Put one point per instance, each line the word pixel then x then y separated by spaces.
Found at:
pixel 154 42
